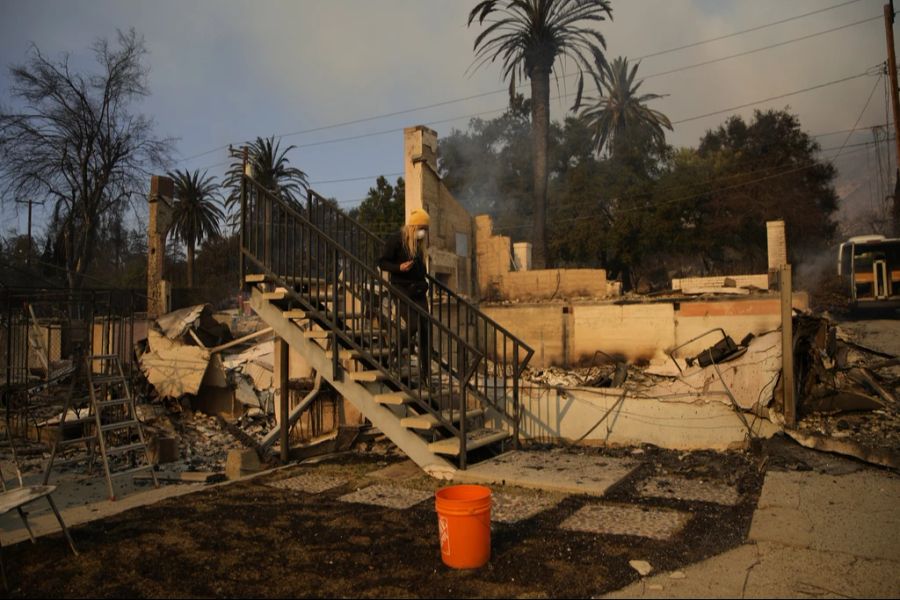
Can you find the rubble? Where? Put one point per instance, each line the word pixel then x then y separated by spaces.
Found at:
pixel 846 392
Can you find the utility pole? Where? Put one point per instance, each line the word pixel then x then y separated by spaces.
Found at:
pixel 28 255
pixel 895 104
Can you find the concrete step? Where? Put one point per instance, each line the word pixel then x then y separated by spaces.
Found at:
pixel 474 439
pixel 360 394
pixel 366 376
pixel 316 334
pixel 276 294
pixel 396 398
pixel 393 398
pixel 429 421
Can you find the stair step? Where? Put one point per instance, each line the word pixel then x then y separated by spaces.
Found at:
pixel 429 421
pixel 277 294
pixel 255 278
pixel 316 334
pixel 474 439
pixel 406 397
pixel 294 314
pixel 394 398
pixel 366 376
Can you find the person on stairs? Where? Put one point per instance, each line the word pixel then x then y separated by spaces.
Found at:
pixel 404 258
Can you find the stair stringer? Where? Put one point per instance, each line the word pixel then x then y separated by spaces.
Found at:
pixel 381 417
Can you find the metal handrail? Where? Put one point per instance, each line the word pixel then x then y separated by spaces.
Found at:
pixel 281 242
pixel 469 318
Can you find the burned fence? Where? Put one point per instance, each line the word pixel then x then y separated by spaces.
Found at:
pixel 43 333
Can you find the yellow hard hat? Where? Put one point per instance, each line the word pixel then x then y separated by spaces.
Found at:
pixel 418 217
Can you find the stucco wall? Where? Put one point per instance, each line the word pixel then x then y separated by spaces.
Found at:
pixel 566 333
pixel 552 416
pixel 498 281
pixel 760 281
pixel 451 234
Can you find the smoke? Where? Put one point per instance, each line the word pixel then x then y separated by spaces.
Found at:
pixel 816 273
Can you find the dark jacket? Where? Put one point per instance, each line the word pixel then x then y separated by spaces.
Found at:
pixel 411 282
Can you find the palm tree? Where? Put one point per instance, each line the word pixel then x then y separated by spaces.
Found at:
pixel 197 214
pixel 270 167
pixel 528 36
pixel 620 115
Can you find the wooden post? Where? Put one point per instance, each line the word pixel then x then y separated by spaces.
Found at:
pixel 281 350
pixel 162 190
pixel 787 346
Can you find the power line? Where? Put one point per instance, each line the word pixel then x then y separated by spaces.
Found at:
pixel 858 146
pixel 771 98
pixel 762 48
pixel 839 131
pixel 684 198
pixel 497 91
pixel 851 131
pixel 399 174
pixel 362 178
pixel 743 31
pixel 685 120
pixel 859 118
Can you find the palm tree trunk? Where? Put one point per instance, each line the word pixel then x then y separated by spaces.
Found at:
pixel 540 128
pixel 190 264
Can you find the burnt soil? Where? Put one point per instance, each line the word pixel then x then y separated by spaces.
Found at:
pixel 248 539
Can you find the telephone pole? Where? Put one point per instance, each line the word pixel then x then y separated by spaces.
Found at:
pixel 28 255
pixel 895 105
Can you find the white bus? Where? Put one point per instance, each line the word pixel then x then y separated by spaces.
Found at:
pixel 869 266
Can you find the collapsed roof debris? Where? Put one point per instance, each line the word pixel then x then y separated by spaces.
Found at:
pixel 845 402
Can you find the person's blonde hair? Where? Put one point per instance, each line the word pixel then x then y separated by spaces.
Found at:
pixel 414 246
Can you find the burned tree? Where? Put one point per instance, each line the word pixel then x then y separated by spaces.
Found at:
pixel 72 141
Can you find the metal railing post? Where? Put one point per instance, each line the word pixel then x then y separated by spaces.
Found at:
pixel 516 413
pixel 242 266
pixel 335 354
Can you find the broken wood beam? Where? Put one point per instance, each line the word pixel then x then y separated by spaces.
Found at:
pixel 240 340
pixel 865 378
pixel 787 345
pixel 270 437
pixel 284 361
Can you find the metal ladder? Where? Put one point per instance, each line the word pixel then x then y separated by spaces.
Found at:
pixel 111 412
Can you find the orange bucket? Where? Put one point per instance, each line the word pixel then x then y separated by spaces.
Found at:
pixel 464 525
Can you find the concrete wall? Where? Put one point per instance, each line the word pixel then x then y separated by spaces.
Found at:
pixel 451 234
pixel 760 281
pixel 493 257
pixel 498 281
pixel 551 416
pixel 569 333
pixel 461 249
pixel 541 326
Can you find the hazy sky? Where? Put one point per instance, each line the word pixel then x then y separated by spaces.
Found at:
pixel 226 71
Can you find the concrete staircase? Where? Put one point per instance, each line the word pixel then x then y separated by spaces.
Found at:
pixel 365 384
pixel 312 278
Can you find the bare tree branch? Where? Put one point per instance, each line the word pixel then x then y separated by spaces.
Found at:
pixel 73 141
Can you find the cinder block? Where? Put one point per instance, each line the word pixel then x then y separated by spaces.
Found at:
pixel 162 449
